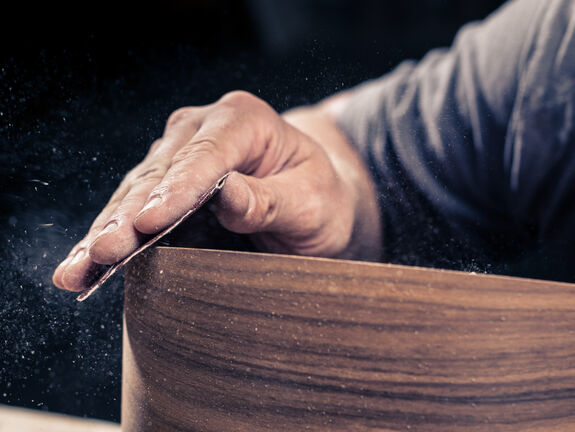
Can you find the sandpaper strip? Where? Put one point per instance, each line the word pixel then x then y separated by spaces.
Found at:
pixel 117 266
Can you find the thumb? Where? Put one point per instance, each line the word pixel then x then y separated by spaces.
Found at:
pixel 295 214
pixel 248 205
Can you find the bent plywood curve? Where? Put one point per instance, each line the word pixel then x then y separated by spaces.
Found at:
pixel 232 341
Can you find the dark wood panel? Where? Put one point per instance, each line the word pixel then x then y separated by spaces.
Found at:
pixel 229 341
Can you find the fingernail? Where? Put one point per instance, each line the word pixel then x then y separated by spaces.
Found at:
pixel 153 202
pixel 110 227
pixel 64 263
pixel 79 256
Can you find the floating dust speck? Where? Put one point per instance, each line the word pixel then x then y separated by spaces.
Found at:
pixel 42 182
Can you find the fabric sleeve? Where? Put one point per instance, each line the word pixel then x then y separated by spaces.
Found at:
pixel 472 147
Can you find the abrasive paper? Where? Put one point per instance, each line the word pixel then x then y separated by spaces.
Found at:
pixel 117 266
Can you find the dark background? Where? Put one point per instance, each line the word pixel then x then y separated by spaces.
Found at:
pixel 85 87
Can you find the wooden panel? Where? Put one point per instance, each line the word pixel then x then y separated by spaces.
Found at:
pixel 231 341
pixel 14 419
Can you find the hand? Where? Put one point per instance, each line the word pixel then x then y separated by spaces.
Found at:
pixel 295 192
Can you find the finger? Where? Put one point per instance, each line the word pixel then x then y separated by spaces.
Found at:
pixel 77 271
pixel 180 189
pixel 78 263
pixel 247 205
pixel 194 169
pixel 59 272
pixel 292 212
pixel 112 233
pixel 182 124
pixel 113 236
pixel 118 237
pixel 240 132
pixel 111 227
pixel 117 216
pixel 57 277
pixel 80 272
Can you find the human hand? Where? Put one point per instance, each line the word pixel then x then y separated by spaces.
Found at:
pixel 296 186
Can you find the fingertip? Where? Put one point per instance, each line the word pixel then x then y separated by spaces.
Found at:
pixel 101 254
pixel 59 272
pixel 235 197
pixel 153 202
pixel 74 275
pixel 109 248
pixel 237 205
pixel 163 210
pixel 57 279
pixel 147 222
pixel 156 217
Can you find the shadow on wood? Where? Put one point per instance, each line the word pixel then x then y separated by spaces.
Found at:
pixel 235 341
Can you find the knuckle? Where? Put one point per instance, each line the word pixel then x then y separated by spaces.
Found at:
pixel 115 200
pixel 312 212
pixel 193 150
pixel 143 173
pixel 261 213
pixel 239 98
pixel 154 147
pixel 128 201
pixel 246 112
pixel 154 173
pixel 131 175
pixel 178 116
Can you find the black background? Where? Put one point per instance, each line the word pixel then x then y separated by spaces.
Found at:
pixel 85 87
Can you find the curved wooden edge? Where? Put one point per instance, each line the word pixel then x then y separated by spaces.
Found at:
pixel 367 278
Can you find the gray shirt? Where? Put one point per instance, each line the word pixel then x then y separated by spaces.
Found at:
pixel 472 148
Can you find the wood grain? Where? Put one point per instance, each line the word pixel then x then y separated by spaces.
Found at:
pixel 232 341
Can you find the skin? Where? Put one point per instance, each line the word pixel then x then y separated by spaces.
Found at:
pixel 297 185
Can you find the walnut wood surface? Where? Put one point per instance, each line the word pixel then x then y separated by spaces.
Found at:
pixel 229 341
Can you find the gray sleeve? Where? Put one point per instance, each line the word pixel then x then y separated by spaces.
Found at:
pixel 474 145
